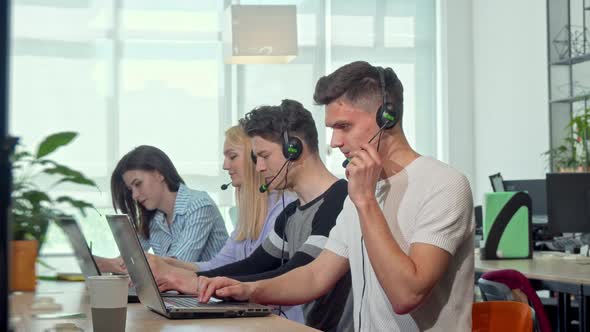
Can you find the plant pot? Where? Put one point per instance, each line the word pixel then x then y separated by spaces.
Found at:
pixel 577 169
pixel 23 255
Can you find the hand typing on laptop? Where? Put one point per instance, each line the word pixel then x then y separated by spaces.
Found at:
pixel 169 277
pixel 113 265
pixel 223 287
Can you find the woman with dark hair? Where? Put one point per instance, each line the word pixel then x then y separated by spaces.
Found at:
pixel 170 218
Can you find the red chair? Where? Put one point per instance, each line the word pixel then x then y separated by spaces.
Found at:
pixel 501 316
pixel 516 280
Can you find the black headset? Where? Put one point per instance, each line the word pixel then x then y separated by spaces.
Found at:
pixel 388 114
pixel 292 146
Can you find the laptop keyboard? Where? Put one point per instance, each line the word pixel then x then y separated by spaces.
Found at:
pixel 187 302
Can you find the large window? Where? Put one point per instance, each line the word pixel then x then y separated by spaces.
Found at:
pixel 129 72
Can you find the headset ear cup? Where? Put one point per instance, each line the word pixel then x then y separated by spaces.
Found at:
pixel 293 148
pixel 386 116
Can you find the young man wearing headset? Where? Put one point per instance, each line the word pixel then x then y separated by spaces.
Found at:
pixel 405 231
pixel 285 147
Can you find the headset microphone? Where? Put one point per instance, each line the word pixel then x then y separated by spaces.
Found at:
pixel 225 186
pixel 264 188
pixel 345 162
pixel 389 113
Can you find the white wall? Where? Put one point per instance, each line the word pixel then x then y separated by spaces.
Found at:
pixel 456 116
pixel 494 71
pixel 510 90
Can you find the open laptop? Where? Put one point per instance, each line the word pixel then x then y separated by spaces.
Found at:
pixel 82 252
pixel 497 182
pixel 173 307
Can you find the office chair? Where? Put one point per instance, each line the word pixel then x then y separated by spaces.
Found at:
pixel 501 316
pixel 494 291
pixel 498 285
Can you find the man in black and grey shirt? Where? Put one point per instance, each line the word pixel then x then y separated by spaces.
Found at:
pixel 285 144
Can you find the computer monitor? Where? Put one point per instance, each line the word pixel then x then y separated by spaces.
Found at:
pixel 497 182
pixel 537 190
pixel 568 198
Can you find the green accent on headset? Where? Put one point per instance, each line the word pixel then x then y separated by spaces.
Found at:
pixel 388 116
pixel 292 149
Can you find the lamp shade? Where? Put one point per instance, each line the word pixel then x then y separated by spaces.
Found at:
pixel 260 34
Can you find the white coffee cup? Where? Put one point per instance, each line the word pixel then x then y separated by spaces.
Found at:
pixel 108 301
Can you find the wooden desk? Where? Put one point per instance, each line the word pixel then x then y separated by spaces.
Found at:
pixel 74 298
pixel 544 266
pixel 564 274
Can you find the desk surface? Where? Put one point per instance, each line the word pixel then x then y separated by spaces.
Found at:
pixel 544 266
pixel 74 298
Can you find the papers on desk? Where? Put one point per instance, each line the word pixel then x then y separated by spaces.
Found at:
pixel 583 260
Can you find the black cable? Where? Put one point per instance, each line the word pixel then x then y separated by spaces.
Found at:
pixel 281 312
pixel 379 140
pixel 364 282
pixel 285 226
pixel 362 241
pixel 264 187
pixel 284 218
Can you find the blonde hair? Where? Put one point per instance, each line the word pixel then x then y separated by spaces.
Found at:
pixel 252 205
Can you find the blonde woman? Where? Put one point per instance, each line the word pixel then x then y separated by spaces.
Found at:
pixel 256 212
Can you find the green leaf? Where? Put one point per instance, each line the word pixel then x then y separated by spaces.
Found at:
pixel 45 264
pixel 35 197
pixel 78 180
pixel 53 142
pixel 80 205
pixel 62 170
pixel 18 156
pixel 70 175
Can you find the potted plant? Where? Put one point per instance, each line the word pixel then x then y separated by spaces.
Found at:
pixel 33 207
pixel 574 154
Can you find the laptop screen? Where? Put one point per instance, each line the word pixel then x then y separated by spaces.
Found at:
pixel 497 182
pixel 136 262
pixel 81 250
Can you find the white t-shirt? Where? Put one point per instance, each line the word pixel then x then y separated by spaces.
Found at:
pixel 428 202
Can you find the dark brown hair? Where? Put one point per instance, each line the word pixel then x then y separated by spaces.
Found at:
pixel 359 83
pixel 142 158
pixel 269 122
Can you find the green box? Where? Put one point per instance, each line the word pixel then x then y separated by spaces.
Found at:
pixel 515 240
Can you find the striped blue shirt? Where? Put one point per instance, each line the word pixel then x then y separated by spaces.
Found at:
pixel 197 231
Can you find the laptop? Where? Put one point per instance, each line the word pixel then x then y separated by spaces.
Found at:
pixel 82 252
pixel 173 307
pixel 497 182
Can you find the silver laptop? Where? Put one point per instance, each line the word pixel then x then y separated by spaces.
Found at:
pixel 173 307
pixel 82 252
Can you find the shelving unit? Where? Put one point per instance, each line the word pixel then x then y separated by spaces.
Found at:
pixel 569 65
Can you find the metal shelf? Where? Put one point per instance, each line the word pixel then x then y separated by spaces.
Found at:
pixel 571 99
pixel 572 61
